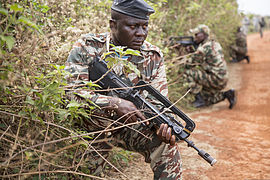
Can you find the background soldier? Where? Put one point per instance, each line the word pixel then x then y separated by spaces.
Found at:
pixel 246 23
pixel 206 71
pixel 239 50
pixel 262 25
pixel 129 27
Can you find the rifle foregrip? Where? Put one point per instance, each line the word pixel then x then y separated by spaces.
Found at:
pixel 207 157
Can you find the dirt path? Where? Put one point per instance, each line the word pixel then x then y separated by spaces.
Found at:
pixel 239 138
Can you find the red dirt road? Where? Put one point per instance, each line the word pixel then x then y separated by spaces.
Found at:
pixel 239 138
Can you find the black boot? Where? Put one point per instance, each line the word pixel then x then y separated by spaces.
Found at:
pixel 199 101
pixel 230 95
pixel 247 58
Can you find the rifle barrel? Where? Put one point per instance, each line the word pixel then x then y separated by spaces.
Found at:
pixel 202 153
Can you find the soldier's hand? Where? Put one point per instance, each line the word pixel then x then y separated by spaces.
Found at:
pixel 126 109
pixel 165 134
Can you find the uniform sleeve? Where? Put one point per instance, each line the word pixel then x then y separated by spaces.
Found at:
pixel 198 56
pixel 77 64
pixel 160 81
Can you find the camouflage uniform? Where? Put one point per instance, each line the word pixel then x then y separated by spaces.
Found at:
pixel 165 159
pixel 206 71
pixel 239 50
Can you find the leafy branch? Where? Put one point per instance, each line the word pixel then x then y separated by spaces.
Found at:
pixel 13 17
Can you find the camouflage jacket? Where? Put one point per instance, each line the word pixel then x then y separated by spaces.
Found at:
pixel 240 43
pixel 150 64
pixel 209 57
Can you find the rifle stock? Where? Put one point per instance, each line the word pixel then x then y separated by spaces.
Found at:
pixel 108 80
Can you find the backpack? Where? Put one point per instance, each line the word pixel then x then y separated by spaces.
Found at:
pixel 262 22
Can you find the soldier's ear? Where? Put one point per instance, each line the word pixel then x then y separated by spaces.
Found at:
pixel 113 24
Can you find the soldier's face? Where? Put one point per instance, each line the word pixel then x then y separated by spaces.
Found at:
pixel 129 31
pixel 200 37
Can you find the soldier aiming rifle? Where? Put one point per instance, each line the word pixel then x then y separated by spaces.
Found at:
pixel 183 44
pixel 206 71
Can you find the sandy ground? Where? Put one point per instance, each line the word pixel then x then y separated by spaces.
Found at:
pixel 239 138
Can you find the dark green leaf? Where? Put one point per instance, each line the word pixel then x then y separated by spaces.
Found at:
pixel 10 41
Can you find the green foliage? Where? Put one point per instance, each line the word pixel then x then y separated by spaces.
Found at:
pixel 222 18
pixel 120 157
pixel 120 58
pixel 48 96
pixel 13 17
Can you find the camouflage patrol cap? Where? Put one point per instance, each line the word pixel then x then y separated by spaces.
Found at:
pixel 201 28
pixel 135 8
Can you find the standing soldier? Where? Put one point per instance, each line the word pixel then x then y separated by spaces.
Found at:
pixel 239 50
pixel 262 25
pixel 129 28
pixel 246 23
pixel 206 71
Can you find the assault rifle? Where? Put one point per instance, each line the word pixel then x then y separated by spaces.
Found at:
pixel 184 41
pixel 98 70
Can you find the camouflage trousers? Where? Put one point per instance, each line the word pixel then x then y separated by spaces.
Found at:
pixel 238 53
pixel 164 159
pixel 208 85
